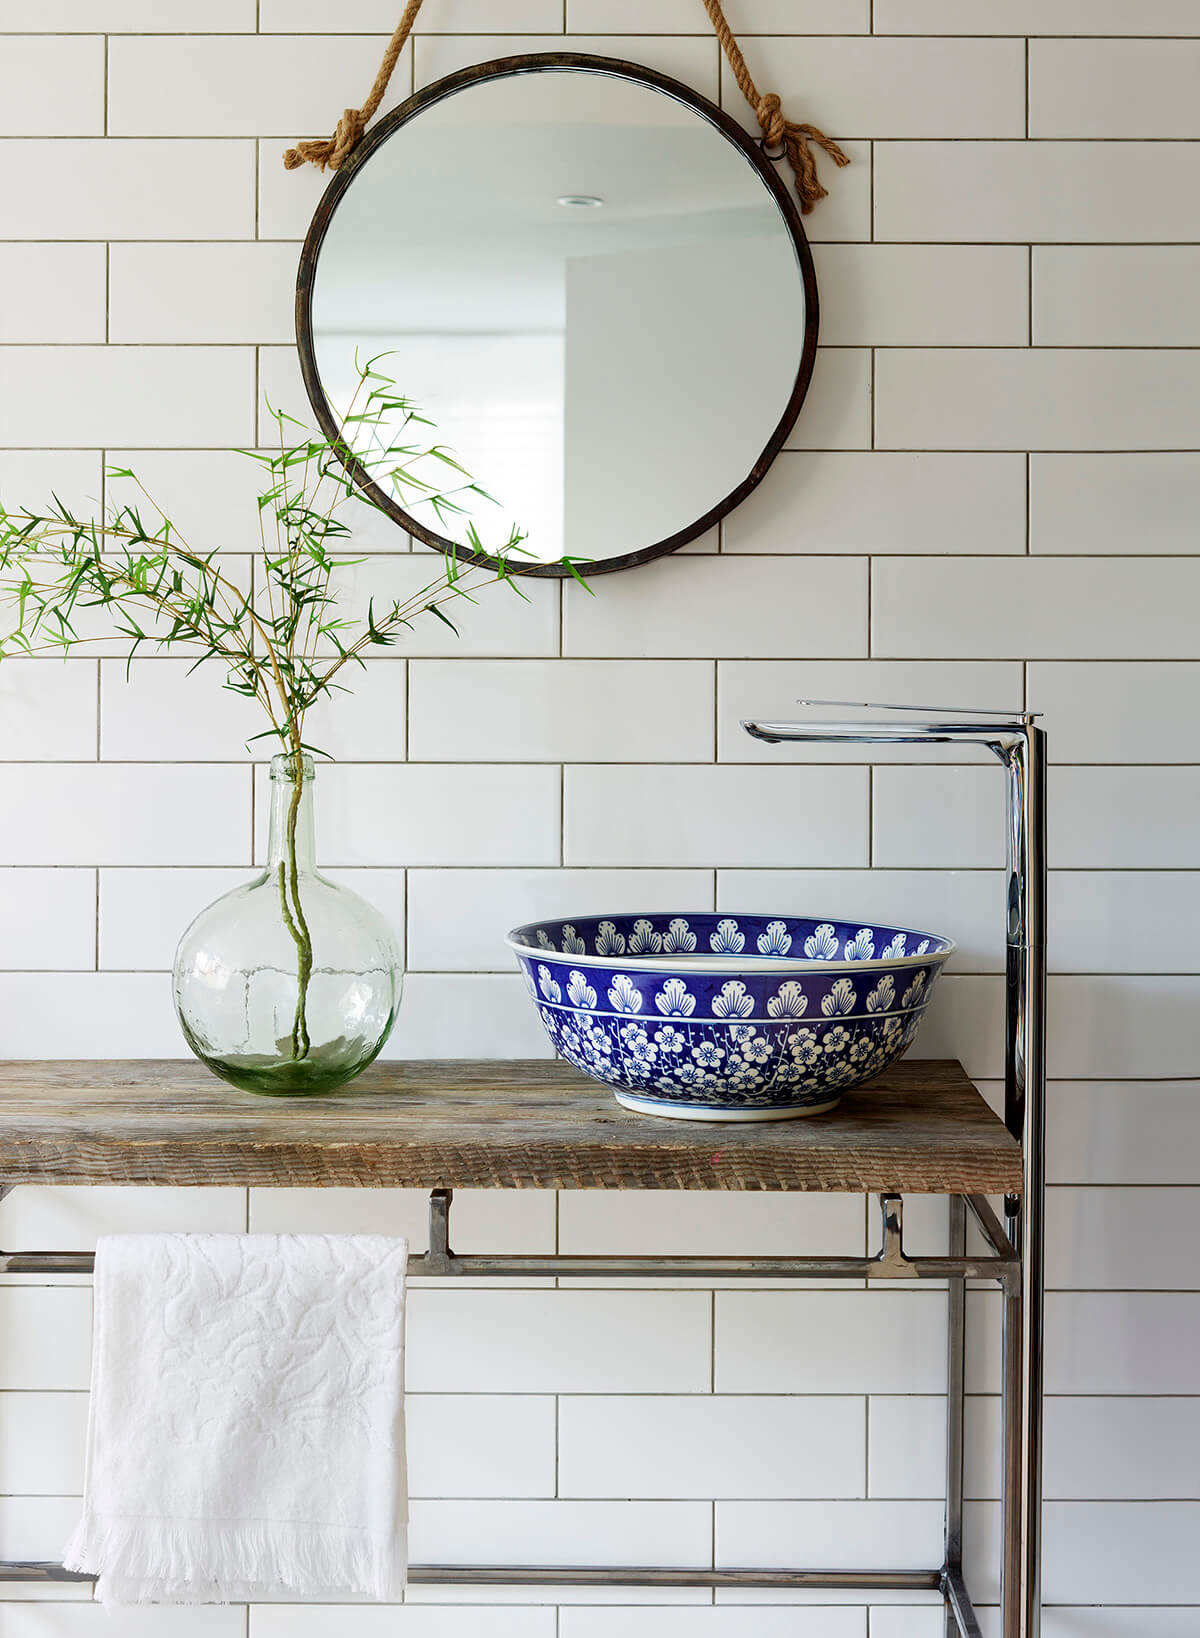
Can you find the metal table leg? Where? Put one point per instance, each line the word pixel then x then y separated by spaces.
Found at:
pixel 955 1406
pixel 1012 1551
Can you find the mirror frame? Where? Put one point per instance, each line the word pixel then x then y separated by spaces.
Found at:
pixel 505 67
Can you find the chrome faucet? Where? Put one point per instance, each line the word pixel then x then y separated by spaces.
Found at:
pixel 1017 741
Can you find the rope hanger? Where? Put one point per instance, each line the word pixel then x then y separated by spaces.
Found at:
pixel 330 153
pixel 788 136
pixel 777 131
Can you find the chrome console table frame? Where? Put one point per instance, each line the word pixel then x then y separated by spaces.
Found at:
pixel 1013 1255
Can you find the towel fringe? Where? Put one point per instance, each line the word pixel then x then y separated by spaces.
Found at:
pixel 148 1560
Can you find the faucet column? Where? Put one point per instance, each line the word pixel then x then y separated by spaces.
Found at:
pixel 1025 1116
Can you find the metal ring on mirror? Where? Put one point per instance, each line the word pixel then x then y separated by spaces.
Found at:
pixel 721 441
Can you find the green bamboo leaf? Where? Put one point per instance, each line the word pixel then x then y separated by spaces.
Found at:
pixel 136 571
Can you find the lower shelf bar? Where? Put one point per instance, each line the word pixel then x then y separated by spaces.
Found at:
pixel 542 1575
pixel 632 1576
pixel 471 1266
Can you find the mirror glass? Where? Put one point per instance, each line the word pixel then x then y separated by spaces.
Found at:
pixel 589 281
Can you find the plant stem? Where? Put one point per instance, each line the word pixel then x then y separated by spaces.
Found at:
pixel 297 925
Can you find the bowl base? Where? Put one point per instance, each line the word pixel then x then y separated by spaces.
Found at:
pixel 641 1105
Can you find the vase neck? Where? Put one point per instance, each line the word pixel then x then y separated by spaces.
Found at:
pixel 287 813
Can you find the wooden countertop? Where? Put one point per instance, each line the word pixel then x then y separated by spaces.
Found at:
pixel 921 1127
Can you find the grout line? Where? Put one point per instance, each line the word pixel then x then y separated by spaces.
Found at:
pixel 871 220
pixel 861 345
pixel 994 975
pixel 688 557
pixel 406 928
pixel 874 444
pixel 905 1499
pixel 423 30
pixel 950 140
pixel 716 718
pixel 871 817
pixel 256 388
pixel 712 1341
pixel 768 658
pixel 859 242
pixel 407 708
pixel 515 763
pixel 870 608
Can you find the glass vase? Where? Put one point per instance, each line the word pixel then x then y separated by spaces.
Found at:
pixel 290 984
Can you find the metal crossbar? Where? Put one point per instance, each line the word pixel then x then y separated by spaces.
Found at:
pixel 891 1262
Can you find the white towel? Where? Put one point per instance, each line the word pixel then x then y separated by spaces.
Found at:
pixel 246 1434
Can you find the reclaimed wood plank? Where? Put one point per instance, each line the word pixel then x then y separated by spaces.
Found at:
pixel 921 1127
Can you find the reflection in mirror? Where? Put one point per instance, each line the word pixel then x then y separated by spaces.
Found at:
pixel 591 286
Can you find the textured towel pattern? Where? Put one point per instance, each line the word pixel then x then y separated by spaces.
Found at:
pixel 245 1434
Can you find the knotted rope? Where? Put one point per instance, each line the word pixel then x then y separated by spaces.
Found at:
pixel 332 152
pixel 777 131
pixel 791 138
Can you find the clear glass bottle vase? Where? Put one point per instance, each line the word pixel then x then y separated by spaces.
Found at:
pixel 290 984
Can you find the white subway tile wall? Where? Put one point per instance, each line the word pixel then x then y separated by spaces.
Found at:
pixel 51 293
pixel 990 499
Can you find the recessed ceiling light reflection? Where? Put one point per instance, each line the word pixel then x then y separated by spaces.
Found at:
pixel 580 201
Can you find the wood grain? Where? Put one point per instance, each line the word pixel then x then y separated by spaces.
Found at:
pixel 919 1128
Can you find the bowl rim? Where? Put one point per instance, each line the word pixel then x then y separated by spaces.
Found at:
pixel 753 963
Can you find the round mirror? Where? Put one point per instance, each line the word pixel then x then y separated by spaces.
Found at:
pixel 591 284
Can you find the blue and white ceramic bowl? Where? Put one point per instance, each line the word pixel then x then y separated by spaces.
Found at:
pixel 726 1016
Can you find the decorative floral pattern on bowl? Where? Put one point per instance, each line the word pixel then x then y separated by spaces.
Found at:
pixel 728 1017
